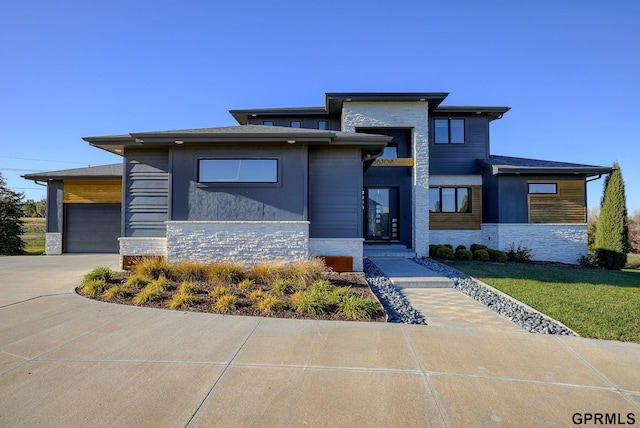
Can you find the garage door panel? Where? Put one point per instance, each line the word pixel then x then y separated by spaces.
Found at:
pixel 91 228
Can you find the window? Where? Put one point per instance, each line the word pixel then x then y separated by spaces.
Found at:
pixel 323 124
pixel 544 188
pixel 296 124
pixel 449 131
pixel 238 171
pixel 449 200
pixel 268 123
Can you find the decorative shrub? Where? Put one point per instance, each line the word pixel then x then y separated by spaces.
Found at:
pixel 305 272
pixel 610 259
pixel 445 252
pixel 358 308
pixel 153 291
pixel 460 247
pixel 191 271
pixel 338 295
pixel 227 272
pixel 520 254
pixel 433 249
pixel 116 292
pixel 219 291
pixel 497 255
pixel 481 255
pixel 283 286
pixel 464 254
pixel 154 268
pixel 268 273
pixel 255 295
pixel 226 303
pixel 245 284
pixel 475 247
pixel 312 302
pixel 180 300
pixel 103 273
pixel 94 287
pixel 590 260
pixel 136 281
pixel 187 287
pixel 269 303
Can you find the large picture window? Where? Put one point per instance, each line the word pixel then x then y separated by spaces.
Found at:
pixel 449 131
pixel 450 200
pixel 238 171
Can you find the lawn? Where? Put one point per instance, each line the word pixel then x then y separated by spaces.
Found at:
pixel 594 303
pixel 34 230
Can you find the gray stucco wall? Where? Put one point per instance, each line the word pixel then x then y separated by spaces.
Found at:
pixel 335 192
pixel 282 201
pixel 55 197
pixel 461 158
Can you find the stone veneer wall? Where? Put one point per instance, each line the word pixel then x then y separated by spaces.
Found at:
pixel 551 242
pixel 413 115
pixel 142 247
pixel 338 247
pixel 241 241
pixel 53 243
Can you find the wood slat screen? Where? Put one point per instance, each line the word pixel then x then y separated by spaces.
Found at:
pixel 567 206
pixel 92 191
pixel 460 221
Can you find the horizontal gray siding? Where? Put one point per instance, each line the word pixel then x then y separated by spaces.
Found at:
pixel 461 158
pixel 146 193
pixel 335 193
pixel 285 201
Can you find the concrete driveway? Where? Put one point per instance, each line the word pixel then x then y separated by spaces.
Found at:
pixel 69 361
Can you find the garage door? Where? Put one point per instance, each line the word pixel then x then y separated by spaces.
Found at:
pixel 91 228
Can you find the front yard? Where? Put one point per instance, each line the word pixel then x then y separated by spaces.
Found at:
pixel 595 303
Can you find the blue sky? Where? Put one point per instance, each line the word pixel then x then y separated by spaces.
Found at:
pixel 569 70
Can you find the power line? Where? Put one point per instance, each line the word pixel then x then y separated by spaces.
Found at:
pixel 44 160
pixel 21 169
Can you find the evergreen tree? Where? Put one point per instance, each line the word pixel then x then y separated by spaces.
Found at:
pixel 11 227
pixel 612 233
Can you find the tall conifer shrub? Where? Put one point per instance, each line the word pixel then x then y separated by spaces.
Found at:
pixel 612 234
pixel 11 227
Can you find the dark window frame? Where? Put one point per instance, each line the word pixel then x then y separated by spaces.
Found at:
pixel 448 120
pixel 457 208
pixel 276 183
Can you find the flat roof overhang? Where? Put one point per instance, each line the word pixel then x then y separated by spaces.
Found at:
pixel 493 112
pixel 335 100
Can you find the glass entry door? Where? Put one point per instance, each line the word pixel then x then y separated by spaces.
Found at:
pixel 381 208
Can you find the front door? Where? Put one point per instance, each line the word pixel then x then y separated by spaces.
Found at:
pixel 381 212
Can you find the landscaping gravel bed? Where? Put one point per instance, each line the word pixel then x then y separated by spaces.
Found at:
pixel 397 306
pixel 531 321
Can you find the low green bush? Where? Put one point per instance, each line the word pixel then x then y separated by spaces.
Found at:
pixel 94 287
pixel 181 300
pixel 312 302
pixel 481 255
pixel 475 247
pixel 497 255
pixel 270 303
pixel 464 254
pixel 358 308
pixel 609 259
pixel 445 253
pixel 226 303
pixel 152 291
pixel 283 286
pixel 460 247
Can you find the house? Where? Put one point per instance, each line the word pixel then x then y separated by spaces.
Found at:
pixel 367 171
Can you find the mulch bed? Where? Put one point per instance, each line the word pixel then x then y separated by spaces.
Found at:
pixel 245 307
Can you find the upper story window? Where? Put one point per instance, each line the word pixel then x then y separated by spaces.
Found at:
pixel 449 131
pixel 543 188
pixel 296 124
pixel 450 200
pixel 238 171
pixel 323 124
pixel 268 123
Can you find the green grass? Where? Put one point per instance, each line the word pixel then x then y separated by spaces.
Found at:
pixel 633 261
pixel 594 303
pixel 33 238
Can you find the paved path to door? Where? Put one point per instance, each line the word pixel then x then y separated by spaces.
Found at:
pixel 69 361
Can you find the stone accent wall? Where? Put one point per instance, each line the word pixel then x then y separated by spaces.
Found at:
pixel 53 243
pixel 551 242
pixel 243 241
pixel 401 114
pixel 142 247
pixel 456 237
pixel 338 247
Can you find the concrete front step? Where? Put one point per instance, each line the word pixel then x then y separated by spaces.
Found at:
pixel 404 273
pixel 393 250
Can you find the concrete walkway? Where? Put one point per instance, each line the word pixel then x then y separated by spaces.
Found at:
pixel 69 361
pixel 404 273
